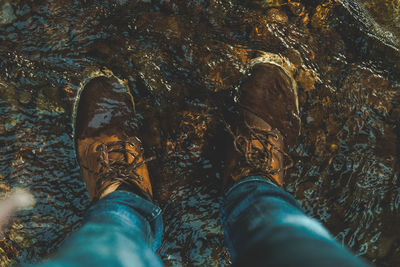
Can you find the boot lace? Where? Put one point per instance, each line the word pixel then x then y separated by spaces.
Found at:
pixel 119 170
pixel 259 159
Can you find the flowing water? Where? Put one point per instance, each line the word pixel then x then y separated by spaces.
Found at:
pixel 183 61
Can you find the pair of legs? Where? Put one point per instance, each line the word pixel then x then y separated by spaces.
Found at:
pixel 263 224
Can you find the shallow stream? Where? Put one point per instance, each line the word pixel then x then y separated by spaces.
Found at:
pixel 184 60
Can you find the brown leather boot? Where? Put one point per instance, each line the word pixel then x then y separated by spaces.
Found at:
pixel 108 150
pixel 268 123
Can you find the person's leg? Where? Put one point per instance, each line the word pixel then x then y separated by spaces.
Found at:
pixel 265 226
pixel 121 229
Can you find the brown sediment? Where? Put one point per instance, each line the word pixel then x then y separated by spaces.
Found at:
pixel 184 61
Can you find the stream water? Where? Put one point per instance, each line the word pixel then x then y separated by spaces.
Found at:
pixel 184 60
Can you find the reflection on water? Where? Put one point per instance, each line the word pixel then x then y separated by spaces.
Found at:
pixel 386 13
pixel 379 19
pixel 187 58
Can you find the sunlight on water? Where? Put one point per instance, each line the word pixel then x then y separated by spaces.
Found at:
pixel 183 61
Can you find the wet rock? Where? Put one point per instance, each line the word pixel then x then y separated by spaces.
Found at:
pixel 224 76
pixel 8 94
pixel 363 87
pixel 168 26
pixel 100 48
pixel 277 16
pixel 150 130
pixel 148 65
pixel 384 144
pixel 332 125
pixel 7 15
pixel 7 251
pixel 10 123
pixel 25 97
pixel 263 31
pixel 307 79
pixel 294 57
pixel 50 92
pixel 395 109
pixel 297 8
pixel 386 12
pixel 4 188
pixel 48 101
pixel 265 3
pixel 320 144
pixel 323 12
pixel 69 91
pixel 333 148
pixel 395 115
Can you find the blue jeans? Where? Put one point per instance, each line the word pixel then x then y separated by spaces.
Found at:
pixel 264 226
pixel 121 229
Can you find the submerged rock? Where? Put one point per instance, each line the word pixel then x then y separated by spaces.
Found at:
pixel 265 3
pixel 7 13
pixel 277 16
pixel 48 101
pixel 25 97
pixel 307 79
pixel 8 94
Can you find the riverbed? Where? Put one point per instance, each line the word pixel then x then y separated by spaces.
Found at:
pixel 183 61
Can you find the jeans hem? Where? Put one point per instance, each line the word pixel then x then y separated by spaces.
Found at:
pixel 249 179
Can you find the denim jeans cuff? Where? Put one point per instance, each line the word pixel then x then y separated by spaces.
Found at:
pixel 249 179
pixel 268 186
pixel 125 209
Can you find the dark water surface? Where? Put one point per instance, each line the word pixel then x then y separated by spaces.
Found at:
pixel 183 61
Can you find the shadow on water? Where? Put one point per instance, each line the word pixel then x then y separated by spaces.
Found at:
pixel 183 61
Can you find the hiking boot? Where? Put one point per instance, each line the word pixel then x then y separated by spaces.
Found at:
pixel 268 123
pixel 105 136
